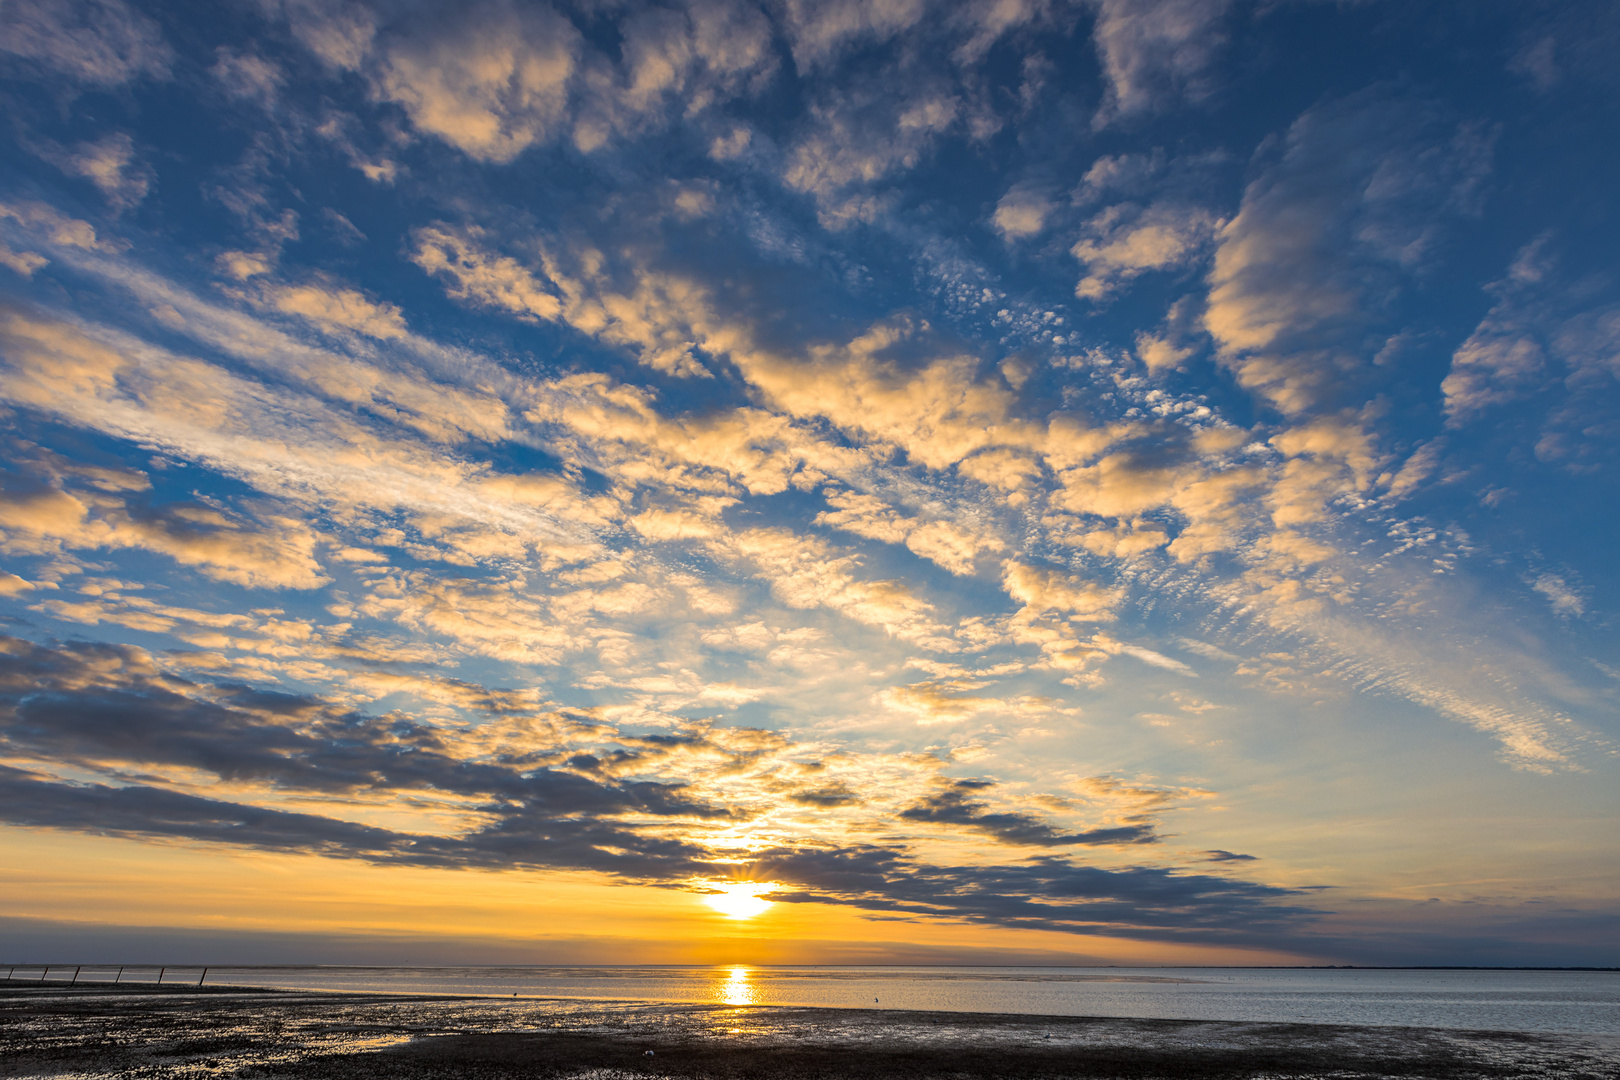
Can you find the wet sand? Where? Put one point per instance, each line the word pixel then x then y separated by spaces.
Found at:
pixel 158 1033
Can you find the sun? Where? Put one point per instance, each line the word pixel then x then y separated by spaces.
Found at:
pixel 738 900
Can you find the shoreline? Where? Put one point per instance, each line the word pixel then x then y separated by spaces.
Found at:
pixel 108 1030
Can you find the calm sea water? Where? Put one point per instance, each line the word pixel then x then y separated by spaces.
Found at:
pixel 1544 1001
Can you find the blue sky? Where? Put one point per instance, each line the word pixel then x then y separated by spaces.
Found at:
pixel 1124 481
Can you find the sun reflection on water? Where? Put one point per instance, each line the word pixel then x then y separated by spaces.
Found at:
pixel 736 989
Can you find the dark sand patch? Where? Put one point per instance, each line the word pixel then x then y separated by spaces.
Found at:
pixel 169 1033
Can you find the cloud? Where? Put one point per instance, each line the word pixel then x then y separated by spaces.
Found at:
pixel 1355 201
pixel 475 274
pixel 819 30
pixel 1222 856
pixel 293 448
pixel 335 308
pixel 1460 677
pixel 656 317
pixel 339 32
pixel 1502 360
pixel 804 572
pixel 1160 353
pixel 1043 590
pixel 44 509
pixel 1154 50
pixel 503 77
pixel 939 541
pixel 938 412
pixel 699 54
pixel 990 21
pixel 1145 899
pixel 857 138
pixel 248 76
pixel 1158 660
pixel 939 702
pixel 1417 469
pixel 956 805
pixel 1124 541
pixel 1538 63
pixel 1541 363
pixel 1565 601
pixel 857 386
pixel 170 757
pixel 1125 241
pixel 47 225
pixel 12 585
pixel 22 262
pixel 109 163
pixel 1498 363
pixel 827 797
pixel 99 42
pixel 491 82
pixel 1133 801
pixel 107 705
pixel 1021 213
pixel 1151 176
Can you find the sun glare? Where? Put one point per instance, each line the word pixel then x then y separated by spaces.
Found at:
pixel 736 990
pixel 740 900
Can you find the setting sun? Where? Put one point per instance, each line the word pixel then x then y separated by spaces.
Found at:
pixel 740 900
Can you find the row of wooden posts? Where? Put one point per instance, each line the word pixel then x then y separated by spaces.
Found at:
pixel 80 967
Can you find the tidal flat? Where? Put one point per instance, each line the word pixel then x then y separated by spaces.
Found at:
pixel 95 1030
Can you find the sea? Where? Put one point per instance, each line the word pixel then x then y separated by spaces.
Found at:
pixel 1551 1001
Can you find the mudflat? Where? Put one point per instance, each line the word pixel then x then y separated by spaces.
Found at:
pixel 157 1033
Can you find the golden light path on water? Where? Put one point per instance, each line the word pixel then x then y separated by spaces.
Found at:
pixel 736 989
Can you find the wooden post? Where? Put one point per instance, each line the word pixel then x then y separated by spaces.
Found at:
pixel 76 975
pixel 203 976
pixel 161 970
pixel 120 974
pixel 44 973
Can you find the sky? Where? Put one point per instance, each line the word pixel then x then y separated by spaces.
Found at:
pixel 1000 481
